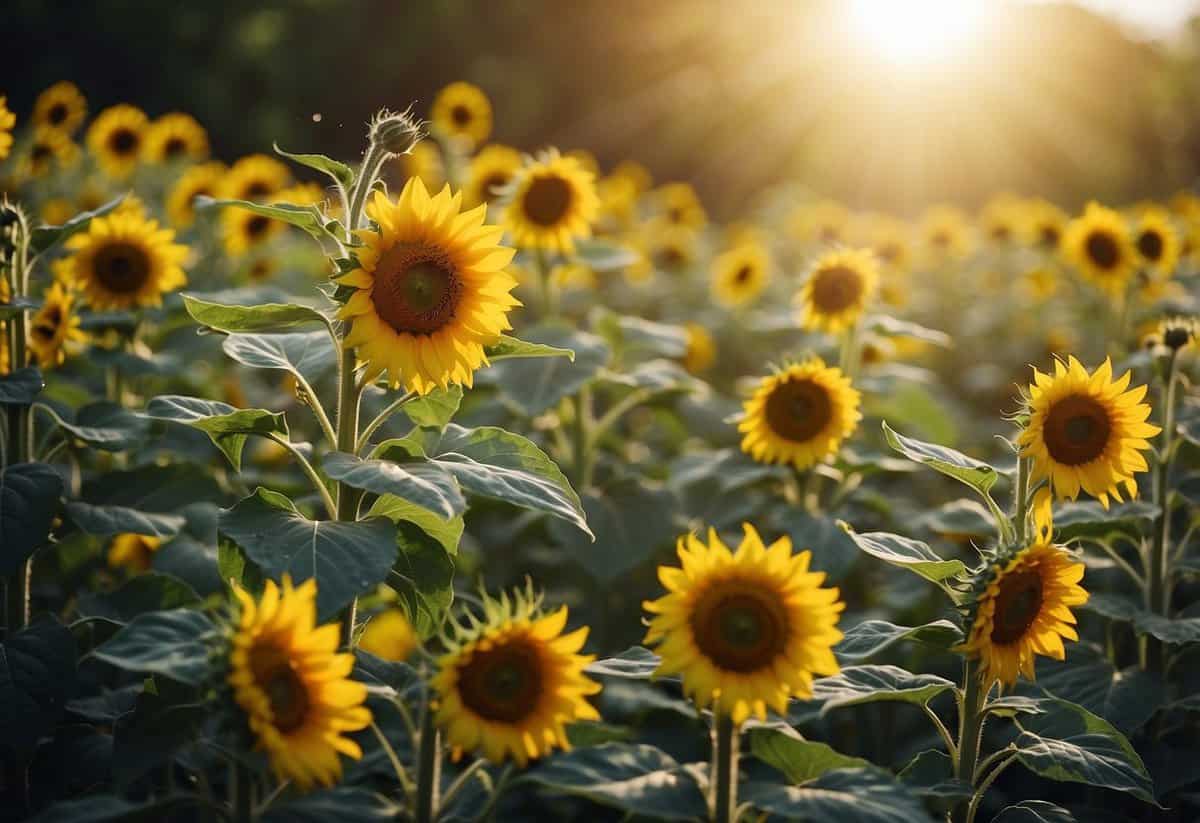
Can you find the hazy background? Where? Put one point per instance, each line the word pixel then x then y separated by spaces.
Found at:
pixel 1039 98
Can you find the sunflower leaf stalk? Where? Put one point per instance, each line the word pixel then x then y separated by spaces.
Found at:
pixel 723 799
pixel 971 717
pixel 1157 591
pixel 429 767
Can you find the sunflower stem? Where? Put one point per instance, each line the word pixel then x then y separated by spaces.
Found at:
pixel 1157 594
pixel 723 801
pixel 368 173
pixel 850 355
pixel 971 718
pixel 242 792
pixel 583 441
pixel 380 419
pixel 549 295
pixel 429 767
pixel 349 395
pixel 985 784
pixel 19 448
pixel 1021 501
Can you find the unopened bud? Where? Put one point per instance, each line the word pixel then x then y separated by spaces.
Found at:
pixel 396 132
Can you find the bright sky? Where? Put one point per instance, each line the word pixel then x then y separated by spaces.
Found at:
pixel 1160 18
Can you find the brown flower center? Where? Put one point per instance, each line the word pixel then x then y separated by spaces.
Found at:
pixel 121 267
pixel 57 114
pixel 547 200
pixel 174 147
pixel 285 690
pixel 740 626
pixel 1076 430
pixel 491 184
pixel 255 190
pixel 1102 249
pixel 461 115
pixel 47 323
pixel 1001 232
pixel 1049 236
pixel 836 288
pixel 1150 245
pixel 799 409
pixel 743 275
pixel 124 142
pixel 503 683
pixel 1018 604
pixel 829 234
pixel 40 155
pixel 417 289
pixel 888 252
pixel 669 257
pixel 941 239
pixel 257 226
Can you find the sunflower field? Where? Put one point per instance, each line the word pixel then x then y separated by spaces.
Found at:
pixel 443 479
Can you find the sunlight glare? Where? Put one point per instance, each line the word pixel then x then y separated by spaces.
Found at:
pixel 917 31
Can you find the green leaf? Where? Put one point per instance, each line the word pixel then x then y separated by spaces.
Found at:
pixel 833 550
pixel 1126 698
pixel 1071 744
pixel 17 305
pixel 638 334
pixel 225 425
pixel 870 637
pixel 307 354
pixel 158 726
pixel 424 483
pixel 434 410
pixel 931 774
pixel 604 256
pixel 106 426
pixel 869 684
pixel 103 808
pixel 634 778
pixel 904 328
pixel 975 473
pixel 845 795
pixel 1174 631
pixel 347 559
pixel 913 555
pixel 267 317
pixel 632 519
pixel 29 494
pixel 423 577
pixel 174 644
pixel 512 348
pixel 1034 811
pixel 145 593
pixel 37 676
pixel 801 760
pixel 635 663
pixel 960 518
pixel 1090 519
pixel 21 387
pixel 44 238
pixel 533 386
pixel 337 805
pixel 447 532
pixel 308 218
pixel 342 174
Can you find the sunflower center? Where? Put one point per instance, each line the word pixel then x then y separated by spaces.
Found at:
pixel 669 258
pixel 57 114
pixel 417 289
pixel 1049 236
pixel 836 288
pixel 740 626
pixel 1017 605
pixel 40 153
pixel 504 683
pixel 828 234
pixel 547 200
pixel 888 252
pixel 257 225
pixel 798 410
pixel 123 141
pixel 1001 232
pixel 121 267
pixel 284 689
pixel 1076 430
pixel 255 190
pixel 940 239
pixel 47 324
pixel 743 275
pixel 1150 245
pixel 491 183
pixel 174 147
pixel 1102 250
pixel 461 115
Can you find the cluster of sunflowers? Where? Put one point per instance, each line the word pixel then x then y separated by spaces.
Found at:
pixel 257 598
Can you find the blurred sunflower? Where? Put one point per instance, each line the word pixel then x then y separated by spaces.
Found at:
pixel 553 203
pixel 293 686
pixel 746 630
pixel 61 106
pixel 7 121
pixel 800 415
pixel 491 170
pixel 256 178
pixel 175 137
pixel 1086 431
pixel 57 211
pixel 618 196
pixel 824 223
pixel 637 174
pixel 202 179
pixel 574 275
pixel 1001 219
pixel 838 290
pixel 244 230
pixel 1099 245
pixel 133 552
pixel 50 150
pixel 701 350
pixel 1046 223
pixel 945 234
pixel 667 247
pixel 888 238
pixel 125 260
pixel 740 275
pixel 1157 242
pixel 511 683
pixel 424 162
pixel 115 139
pixel 431 290
pixel 462 110
pixel 390 636
pixel 679 205
pixel 54 330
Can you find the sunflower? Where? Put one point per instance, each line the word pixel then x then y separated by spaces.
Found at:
pixel 202 179
pixel 1022 609
pixel 116 137
pixel 133 552
pixel 256 178
pixel 491 170
pixel 126 260
pixel 800 415
pixel 745 629
pixel 701 350
pixel 888 238
pixel 679 205
pixel 1046 223
pixel 1157 242
pixel 424 162
pixel 390 636
pixel 62 107
pixel 635 173
pixel 1086 431
pixel 618 197
pixel 575 275
pixel 1001 219
pixel 57 211
pixel 244 230
pixel 54 330
pixel 293 686
pixel 945 234
pixel 509 685
pixel 1099 245
pixel 174 137
pixel 740 275
pixel 431 289
pixel 461 110
pixel 7 121
pixel 50 150
pixel 553 203
pixel 838 290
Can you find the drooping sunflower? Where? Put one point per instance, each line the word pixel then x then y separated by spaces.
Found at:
pixel 1021 609
pixel 553 203
pixel 701 350
pixel 1099 245
pixel 7 121
pixel 116 137
pixel 54 330
pixel 509 686
pixel 823 223
pixel 62 107
pixel 491 170
pixel 678 204
pixel 740 275
pixel 50 150
pixel 462 110
pixel 125 260
pixel 256 178
pixel 133 552
pixel 431 289
pixel 837 292
pixel 1086 431
pixel 800 415
pixel 1157 242
pixel 202 179
pixel 746 630
pixel 175 137
pixel 945 234
pixel 389 635
pixel 294 687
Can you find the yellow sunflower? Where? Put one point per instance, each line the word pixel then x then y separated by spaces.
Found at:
pixel 510 685
pixel 256 178
pixel 424 162
pixel 945 234
pixel 202 179
pixel 837 292
pixel 54 330
pixel 431 289
pixel 116 137
pixel 1157 242
pixel 800 415
pixel 1022 609
pixel 390 636
pixel 618 196
pixel 57 211
pixel 746 630
pixel 825 223
pixel 462 110
pixel 1046 224
pixel 50 150
pixel 666 247
pixel 491 170
pixel 740 275
pixel 1099 245
pixel 133 552
pixel 553 203
pixel 679 205
pixel 175 137
pixel 244 230
pixel 1086 431
pixel 701 349
pixel 294 687
pixel 125 260
pixel 7 121
pixel 888 238
pixel 635 173
pixel 1001 219
pixel 62 107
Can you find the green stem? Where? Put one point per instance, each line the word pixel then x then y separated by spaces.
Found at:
pixel 977 797
pixel 429 767
pixel 314 403
pixel 380 419
pixel 970 729
pixel 549 295
pixel 583 441
pixel 951 749
pixel 243 793
pixel 725 763
pixel 19 448
pixel 349 394
pixel 1021 502
pixel 850 355
pixel 318 483
pixel 1157 593
pixel 367 175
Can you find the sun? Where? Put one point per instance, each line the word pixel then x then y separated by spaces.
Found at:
pixel 916 31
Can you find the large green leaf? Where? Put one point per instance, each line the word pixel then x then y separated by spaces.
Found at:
pixel 105 426
pixel 308 354
pixel 1175 631
pixel 227 426
pixel 512 348
pixel 799 759
pixel 845 795
pixel 423 576
pixel 1034 811
pixel 424 483
pixel 869 684
pixel 267 317
pixel 446 532
pixel 164 719
pixel 833 550
pixel 342 174
pixel 37 676
pixel 337 805
pixel 602 256
pixel 147 592
pixel 105 521
pixel 533 386
pixel 307 218
pixel 29 494
pixel 635 663
pixel 1126 698
pixel 21 387
pixel 435 409
pixel 908 554
pixel 870 637
pixel 44 238
pixel 175 644
pixel 931 774
pixel 1087 518
pixel 347 559
pixel 975 473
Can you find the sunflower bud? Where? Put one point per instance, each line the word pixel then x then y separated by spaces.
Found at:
pixel 1177 332
pixel 396 133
